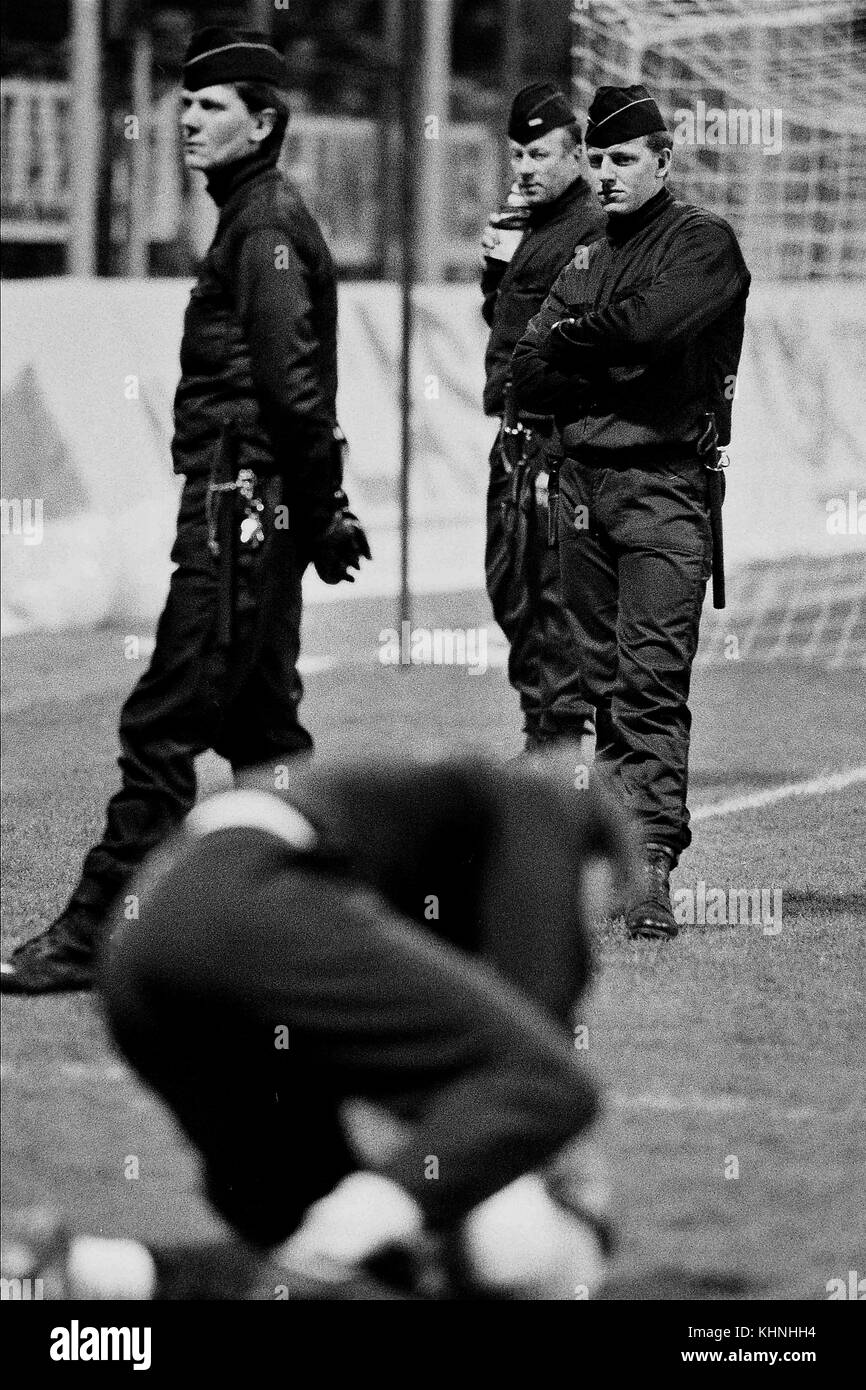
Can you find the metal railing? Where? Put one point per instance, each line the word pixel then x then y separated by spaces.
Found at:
pixel 339 163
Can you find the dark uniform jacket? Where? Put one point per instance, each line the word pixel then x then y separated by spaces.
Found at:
pixel 660 313
pixel 515 290
pixel 259 347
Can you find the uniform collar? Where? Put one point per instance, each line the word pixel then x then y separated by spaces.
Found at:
pixel 548 212
pixel 224 182
pixel 621 229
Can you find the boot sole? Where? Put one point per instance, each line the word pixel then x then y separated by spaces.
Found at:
pixel 652 934
pixel 11 982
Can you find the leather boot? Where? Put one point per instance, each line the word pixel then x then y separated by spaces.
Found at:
pixel 650 914
pixel 59 958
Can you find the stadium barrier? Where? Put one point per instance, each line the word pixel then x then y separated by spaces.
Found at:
pixel 89 500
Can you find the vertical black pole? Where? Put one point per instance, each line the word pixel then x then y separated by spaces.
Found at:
pixel 510 73
pixel 409 46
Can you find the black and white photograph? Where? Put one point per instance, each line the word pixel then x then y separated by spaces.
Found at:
pixel 433 672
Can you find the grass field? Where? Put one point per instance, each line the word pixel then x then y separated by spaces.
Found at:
pixel 730 1051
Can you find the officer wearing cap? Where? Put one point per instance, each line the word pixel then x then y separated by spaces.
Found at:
pixel 256 437
pixel 635 353
pixel 559 214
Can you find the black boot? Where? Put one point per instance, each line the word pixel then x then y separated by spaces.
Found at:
pixel 59 958
pixel 650 914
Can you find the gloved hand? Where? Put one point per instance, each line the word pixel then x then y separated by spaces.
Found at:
pixel 560 342
pixel 340 547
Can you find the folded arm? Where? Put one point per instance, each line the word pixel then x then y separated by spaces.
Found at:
pixel 701 278
pixel 539 385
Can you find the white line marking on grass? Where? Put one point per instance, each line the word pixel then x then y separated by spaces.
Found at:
pixel 753 801
pixel 663 1101
pixel 312 665
pixel 704 1105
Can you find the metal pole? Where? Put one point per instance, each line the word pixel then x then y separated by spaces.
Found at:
pixel 138 214
pixel 85 136
pixel 408 231
pixel 511 74
pixel 388 122
pixel 435 91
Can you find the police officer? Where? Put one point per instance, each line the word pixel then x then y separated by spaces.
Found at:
pixel 256 437
pixel 636 355
pixel 560 215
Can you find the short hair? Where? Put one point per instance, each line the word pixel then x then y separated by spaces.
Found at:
pixel 572 135
pixel 659 140
pixel 261 96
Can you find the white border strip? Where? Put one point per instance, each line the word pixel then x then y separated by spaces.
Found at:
pixel 753 801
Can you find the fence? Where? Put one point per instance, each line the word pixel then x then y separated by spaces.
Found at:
pixel 339 163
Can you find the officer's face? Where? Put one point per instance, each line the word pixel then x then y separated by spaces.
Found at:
pixel 546 167
pixel 626 176
pixel 218 127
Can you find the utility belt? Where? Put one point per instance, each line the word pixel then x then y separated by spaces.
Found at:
pixel 647 456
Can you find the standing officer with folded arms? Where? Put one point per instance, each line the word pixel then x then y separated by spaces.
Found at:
pixel 522 563
pixel 256 437
pixel 636 355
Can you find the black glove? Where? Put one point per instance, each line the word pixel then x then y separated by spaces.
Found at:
pixel 340 547
pixel 559 345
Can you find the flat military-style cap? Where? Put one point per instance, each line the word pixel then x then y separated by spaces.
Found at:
pixel 220 55
pixel 536 109
pixel 619 114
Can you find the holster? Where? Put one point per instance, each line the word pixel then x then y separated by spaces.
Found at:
pixel 714 461
pixel 553 502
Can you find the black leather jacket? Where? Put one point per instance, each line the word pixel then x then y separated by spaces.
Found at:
pixel 259 348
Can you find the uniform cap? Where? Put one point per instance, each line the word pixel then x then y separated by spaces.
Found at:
pixel 619 114
pixel 537 109
pixel 219 55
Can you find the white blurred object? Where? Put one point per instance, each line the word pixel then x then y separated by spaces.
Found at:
pixel 366 1213
pixel 99 1269
pixel 509 223
pixel 523 1245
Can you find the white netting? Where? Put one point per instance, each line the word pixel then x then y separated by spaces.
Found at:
pixel 772 125
pixel 801 609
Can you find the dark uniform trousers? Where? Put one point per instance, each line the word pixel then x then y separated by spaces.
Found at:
pixel 523 584
pixel 242 701
pixel 636 554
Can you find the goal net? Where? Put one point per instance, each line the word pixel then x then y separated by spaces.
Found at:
pixel 767 103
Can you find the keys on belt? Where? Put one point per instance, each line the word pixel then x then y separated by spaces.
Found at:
pixel 245 487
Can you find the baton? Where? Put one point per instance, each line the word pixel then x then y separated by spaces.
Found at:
pixel 715 462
